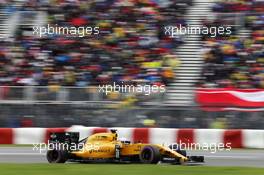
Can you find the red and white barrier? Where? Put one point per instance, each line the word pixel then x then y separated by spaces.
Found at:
pixel 240 138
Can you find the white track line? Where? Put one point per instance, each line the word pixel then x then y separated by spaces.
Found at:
pixel 25 154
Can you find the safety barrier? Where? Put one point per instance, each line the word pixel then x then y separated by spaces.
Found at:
pixel 237 138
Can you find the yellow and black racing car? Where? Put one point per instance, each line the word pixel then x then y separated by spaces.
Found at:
pixel 106 147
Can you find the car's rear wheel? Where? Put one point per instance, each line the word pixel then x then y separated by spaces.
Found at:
pixel 150 155
pixel 57 156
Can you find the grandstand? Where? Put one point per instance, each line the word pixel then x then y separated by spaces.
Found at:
pixel 181 91
pixel 236 61
pixel 132 49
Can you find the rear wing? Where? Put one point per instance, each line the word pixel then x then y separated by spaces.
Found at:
pixel 64 137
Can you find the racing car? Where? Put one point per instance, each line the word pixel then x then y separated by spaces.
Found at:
pixel 107 147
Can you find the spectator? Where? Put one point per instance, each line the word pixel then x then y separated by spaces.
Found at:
pixel 131 45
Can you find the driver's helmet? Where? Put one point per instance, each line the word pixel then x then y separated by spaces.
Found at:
pixel 124 140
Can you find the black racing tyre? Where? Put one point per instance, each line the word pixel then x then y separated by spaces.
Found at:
pixel 57 156
pixel 150 155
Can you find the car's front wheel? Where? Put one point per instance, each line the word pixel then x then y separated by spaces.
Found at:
pixel 150 155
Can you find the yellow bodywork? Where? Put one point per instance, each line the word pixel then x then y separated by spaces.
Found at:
pixel 103 146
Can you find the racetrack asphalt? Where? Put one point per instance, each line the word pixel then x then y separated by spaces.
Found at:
pixel 234 157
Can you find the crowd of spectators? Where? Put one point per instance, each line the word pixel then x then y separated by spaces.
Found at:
pixel 236 61
pixel 131 46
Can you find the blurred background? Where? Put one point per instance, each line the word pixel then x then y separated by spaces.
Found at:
pixel 211 82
